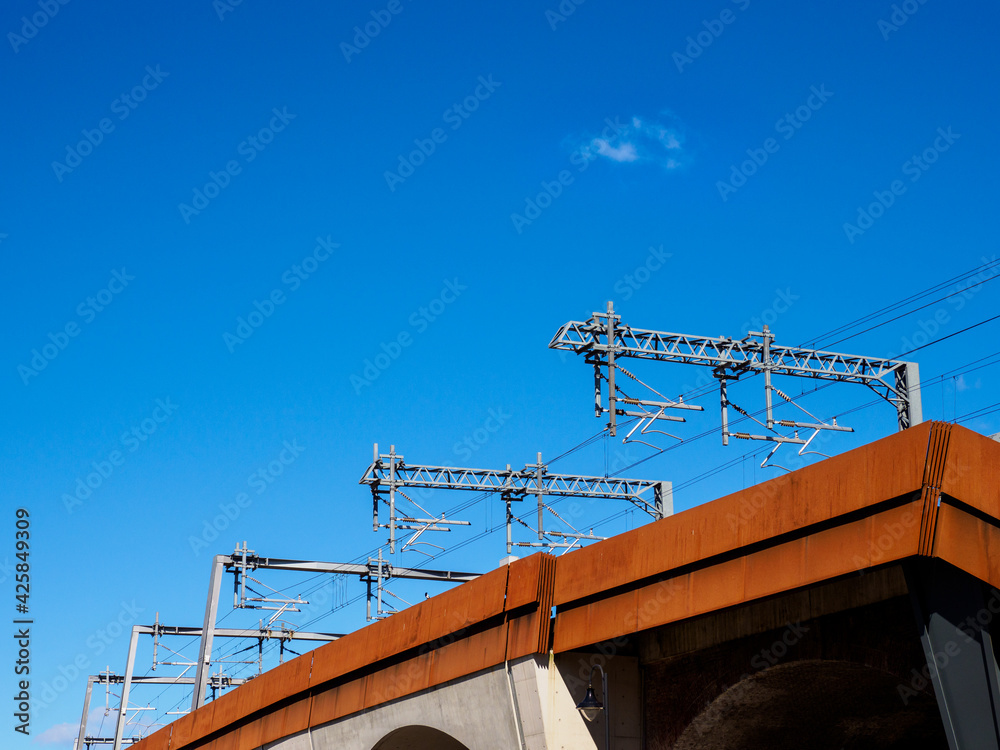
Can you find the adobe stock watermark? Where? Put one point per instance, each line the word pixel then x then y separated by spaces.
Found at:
pixel 47 10
pixel 969 629
pixel 786 127
pixel 771 655
pixel 915 167
pixel 363 35
pixel 633 281
pixel 755 498
pixel 419 320
pixel 292 278
pixel 258 481
pixel 97 643
pixel 901 13
pixel 249 149
pixel 131 440
pixel 122 107
pixel 495 419
pixel 563 11
pixel 581 159
pixel 222 7
pixel 928 329
pixel 87 310
pixel 714 28
pixel 782 303
pixel 455 116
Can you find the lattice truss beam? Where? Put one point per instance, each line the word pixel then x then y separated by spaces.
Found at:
pixel 603 340
pixel 389 475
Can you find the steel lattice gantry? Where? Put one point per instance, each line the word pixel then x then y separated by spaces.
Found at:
pixel 243 560
pixel 603 340
pixel 389 473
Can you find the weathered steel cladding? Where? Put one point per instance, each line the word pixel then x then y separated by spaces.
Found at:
pixel 860 510
pixel 501 615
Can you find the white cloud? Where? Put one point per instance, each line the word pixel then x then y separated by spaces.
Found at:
pixel 640 139
pixel 625 152
pixel 63 734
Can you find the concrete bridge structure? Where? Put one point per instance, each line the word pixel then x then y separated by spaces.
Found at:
pixel 850 604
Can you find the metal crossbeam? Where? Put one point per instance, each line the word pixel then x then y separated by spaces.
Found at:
pixel 515 483
pixel 388 473
pixel 603 339
pixel 360 569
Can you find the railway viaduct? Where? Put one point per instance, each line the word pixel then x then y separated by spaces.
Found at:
pixel 849 604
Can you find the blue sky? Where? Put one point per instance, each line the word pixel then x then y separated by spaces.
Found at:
pixel 445 192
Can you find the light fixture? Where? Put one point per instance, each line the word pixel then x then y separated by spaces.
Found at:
pixel 590 708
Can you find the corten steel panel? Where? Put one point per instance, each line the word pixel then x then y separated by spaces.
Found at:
pixel 227 709
pixel 324 705
pixel 716 587
pixel 345 655
pixel 873 541
pixel 972 469
pixel 402 632
pixel 525 634
pixel 895 463
pixel 228 741
pixel 885 537
pixel 251 695
pixel 890 468
pixel 340 701
pixel 183 730
pixel 398 680
pixel 159 740
pixel 599 621
pixel 523 581
pixel 204 722
pixel 933 473
pixel 273 725
pixel 472 654
pixel 297 715
pixel 968 543
pixel 250 735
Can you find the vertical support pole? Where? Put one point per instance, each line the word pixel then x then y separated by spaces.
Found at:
pixel 86 710
pixel 156 639
pixel 908 384
pixel 539 479
pixel 612 393
pixel 126 686
pixel 208 633
pixel 375 495
pixel 598 409
pixel 378 587
pixel 368 606
pixel 243 575
pixel 392 509
pixel 724 390
pixel 664 499
pixel 510 541
pixel 606 697
pixel 767 377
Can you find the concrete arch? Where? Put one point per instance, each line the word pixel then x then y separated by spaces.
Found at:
pixel 418 738
pixel 817 704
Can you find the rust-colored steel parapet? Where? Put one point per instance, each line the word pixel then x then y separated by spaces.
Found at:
pixel 500 615
pixel 878 504
pixel 931 490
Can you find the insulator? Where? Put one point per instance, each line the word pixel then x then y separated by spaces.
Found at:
pixel 782 394
pixel 741 435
